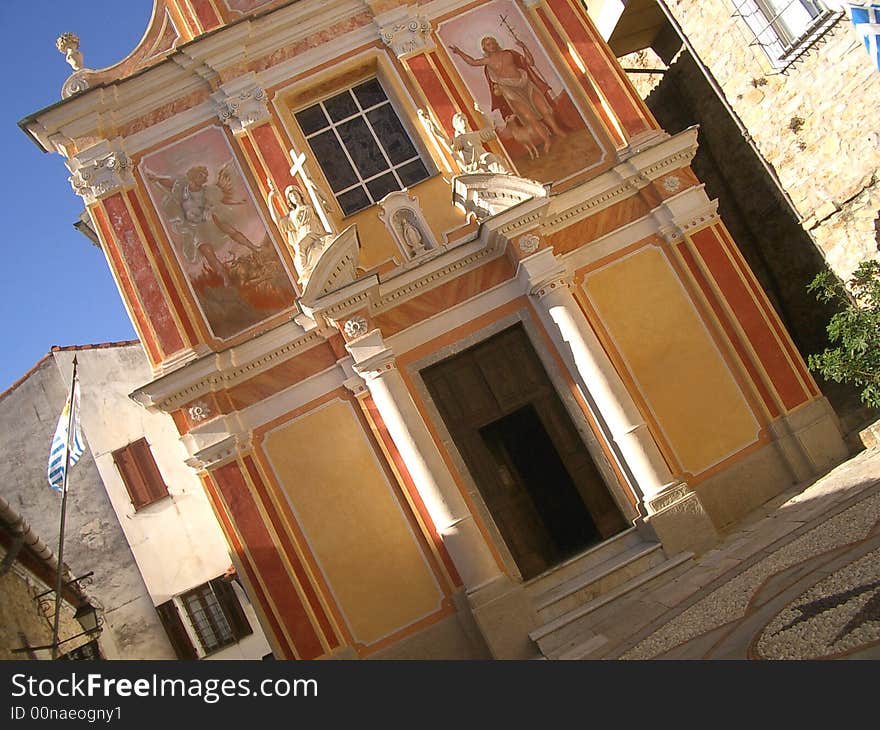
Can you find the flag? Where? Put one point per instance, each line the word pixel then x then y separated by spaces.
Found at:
pixel 866 19
pixel 61 441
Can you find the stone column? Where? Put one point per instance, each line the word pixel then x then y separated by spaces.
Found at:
pixel 657 488
pixel 374 362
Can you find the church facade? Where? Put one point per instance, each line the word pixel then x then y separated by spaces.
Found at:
pixel 447 325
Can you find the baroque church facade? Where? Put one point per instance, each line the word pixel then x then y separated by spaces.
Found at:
pixel 450 330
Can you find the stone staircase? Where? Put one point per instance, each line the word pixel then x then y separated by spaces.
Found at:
pixel 573 600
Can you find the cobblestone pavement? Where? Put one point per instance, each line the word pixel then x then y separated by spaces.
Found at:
pixel 799 579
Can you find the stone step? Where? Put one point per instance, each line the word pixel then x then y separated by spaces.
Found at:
pixel 564 633
pixel 583 562
pixel 593 583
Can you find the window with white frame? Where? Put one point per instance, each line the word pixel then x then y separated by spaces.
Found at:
pixel 361 145
pixel 785 28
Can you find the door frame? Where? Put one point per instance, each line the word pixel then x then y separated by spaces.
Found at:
pixel 591 440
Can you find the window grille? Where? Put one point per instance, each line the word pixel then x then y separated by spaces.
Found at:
pixel 785 29
pixel 361 145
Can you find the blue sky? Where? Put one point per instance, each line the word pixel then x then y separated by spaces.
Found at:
pixel 57 288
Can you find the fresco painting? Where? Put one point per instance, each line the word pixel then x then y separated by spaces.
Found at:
pixel 220 238
pixel 515 85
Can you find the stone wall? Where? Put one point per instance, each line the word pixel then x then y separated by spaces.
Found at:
pixel 94 540
pixel 815 123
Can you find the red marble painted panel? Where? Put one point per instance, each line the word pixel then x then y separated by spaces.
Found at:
pixel 751 319
pixel 153 299
pixel 218 234
pixel 206 14
pixel 444 107
pixel 273 155
pixel 509 74
pixel 602 68
pixel 292 556
pixel 259 543
pixel 256 590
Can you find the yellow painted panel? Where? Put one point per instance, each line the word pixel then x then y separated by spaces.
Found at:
pixel 345 506
pixel 668 351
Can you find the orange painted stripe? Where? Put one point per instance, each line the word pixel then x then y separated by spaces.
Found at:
pixel 273 154
pixel 145 333
pixel 729 330
pixel 443 297
pixel 465 105
pixel 411 489
pixel 443 105
pixel 600 67
pixel 235 543
pixel 772 316
pixel 132 249
pixel 164 272
pixel 253 530
pixel 311 362
pixel 292 556
pixel 206 14
pixel 750 317
pixel 595 101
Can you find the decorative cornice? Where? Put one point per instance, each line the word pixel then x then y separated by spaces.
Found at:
pixel 622 181
pixel 182 386
pixel 101 170
pixel 486 194
pixel 405 32
pixel 241 103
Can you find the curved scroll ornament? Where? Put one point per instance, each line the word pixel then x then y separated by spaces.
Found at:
pixel 68 44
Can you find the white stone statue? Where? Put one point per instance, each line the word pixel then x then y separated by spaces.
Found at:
pixel 466 146
pixel 301 228
pixel 68 44
pixel 412 237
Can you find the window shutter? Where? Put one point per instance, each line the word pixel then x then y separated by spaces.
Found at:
pixel 140 474
pixel 232 609
pixel 176 631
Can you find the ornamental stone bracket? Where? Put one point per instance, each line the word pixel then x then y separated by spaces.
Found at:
pixel 371 355
pixel 100 170
pixel 678 216
pixel 486 194
pixel 404 32
pixel 222 450
pixel 241 103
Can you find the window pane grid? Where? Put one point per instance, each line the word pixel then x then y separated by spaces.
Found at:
pixel 340 131
pixel 208 619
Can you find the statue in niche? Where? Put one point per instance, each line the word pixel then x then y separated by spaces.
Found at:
pixel 411 235
pixel 466 146
pixel 301 228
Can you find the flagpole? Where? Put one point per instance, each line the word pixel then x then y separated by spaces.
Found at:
pixel 58 578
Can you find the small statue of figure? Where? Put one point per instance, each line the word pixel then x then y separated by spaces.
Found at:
pixel 300 227
pixel 68 44
pixel 412 237
pixel 466 146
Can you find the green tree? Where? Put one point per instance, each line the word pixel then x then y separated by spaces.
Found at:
pixel 854 330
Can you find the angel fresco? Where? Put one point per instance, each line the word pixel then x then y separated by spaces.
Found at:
pixel 220 239
pixel 199 213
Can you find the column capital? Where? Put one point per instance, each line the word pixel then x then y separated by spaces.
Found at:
pixel 543 273
pixel 405 32
pixel 227 447
pixel 100 170
pixel 371 355
pixel 241 103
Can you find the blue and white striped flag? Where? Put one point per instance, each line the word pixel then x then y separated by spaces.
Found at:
pixel 58 451
pixel 866 19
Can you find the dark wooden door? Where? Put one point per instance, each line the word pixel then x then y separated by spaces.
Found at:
pixel 525 455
